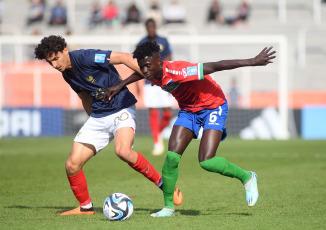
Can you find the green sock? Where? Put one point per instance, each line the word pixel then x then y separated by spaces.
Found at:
pixel 222 166
pixel 170 175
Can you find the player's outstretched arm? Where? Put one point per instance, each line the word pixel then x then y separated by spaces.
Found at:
pixel 115 89
pixel 126 59
pixel 263 58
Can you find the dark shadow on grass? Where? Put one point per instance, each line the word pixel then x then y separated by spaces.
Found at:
pixel 98 210
pixel 189 212
pixel 19 207
pixel 222 212
pixel 60 209
pixel 237 214
pixel 227 214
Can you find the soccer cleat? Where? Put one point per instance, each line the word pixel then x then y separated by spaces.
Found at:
pixel 165 212
pixel 177 196
pixel 251 190
pixel 78 211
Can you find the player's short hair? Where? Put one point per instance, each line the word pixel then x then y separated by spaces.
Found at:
pixel 49 46
pixel 149 21
pixel 146 49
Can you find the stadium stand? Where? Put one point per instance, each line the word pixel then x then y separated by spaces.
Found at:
pixel 302 23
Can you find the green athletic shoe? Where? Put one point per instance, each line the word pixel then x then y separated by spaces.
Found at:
pixel 165 212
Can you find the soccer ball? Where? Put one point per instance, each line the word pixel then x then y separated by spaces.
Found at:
pixel 118 206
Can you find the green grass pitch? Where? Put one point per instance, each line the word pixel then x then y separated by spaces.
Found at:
pixel 291 179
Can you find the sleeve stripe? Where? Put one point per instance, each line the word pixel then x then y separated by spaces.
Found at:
pixel 200 71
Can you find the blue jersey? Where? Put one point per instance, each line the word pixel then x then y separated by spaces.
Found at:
pixel 164 45
pixel 93 73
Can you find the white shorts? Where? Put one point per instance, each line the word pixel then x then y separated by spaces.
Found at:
pixel 155 97
pixel 101 131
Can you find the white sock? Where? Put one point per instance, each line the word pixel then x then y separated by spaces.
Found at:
pixel 158 145
pixel 88 206
pixel 161 182
pixel 168 209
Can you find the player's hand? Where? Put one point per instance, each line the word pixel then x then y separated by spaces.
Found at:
pixel 111 92
pixel 264 57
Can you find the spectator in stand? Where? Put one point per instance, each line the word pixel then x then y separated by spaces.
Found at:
pixel 30 48
pixel 58 14
pixel 215 13
pixel 234 94
pixel 35 11
pixel 133 14
pixel 1 10
pixel 243 14
pixel 110 13
pixel 244 11
pixel 155 13
pixel 96 17
pixel 174 13
pixel 156 100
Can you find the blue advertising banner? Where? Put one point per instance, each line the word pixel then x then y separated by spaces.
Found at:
pixel 37 122
pixel 313 122
pixel 32 122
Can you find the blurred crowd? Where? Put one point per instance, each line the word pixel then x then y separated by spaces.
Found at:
pixel 36 11
pixel 111 16
pixel 108 14
pixel 215 14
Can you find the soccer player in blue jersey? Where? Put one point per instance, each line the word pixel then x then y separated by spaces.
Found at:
pixel 156 99
pixel 89 73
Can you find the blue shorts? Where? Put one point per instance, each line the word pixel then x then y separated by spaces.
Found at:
pixel 206 118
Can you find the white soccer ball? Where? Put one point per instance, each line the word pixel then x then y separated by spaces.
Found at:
pixel 118 206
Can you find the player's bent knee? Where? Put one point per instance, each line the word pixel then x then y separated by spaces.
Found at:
pixel 124 154
pixel 171 162
pixel 71 168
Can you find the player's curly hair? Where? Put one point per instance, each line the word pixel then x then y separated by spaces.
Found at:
pixel 146 49
pixel 49 46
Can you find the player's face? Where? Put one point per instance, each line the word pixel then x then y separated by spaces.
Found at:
pixel 151 67
pixel 151 29
pixel 60 61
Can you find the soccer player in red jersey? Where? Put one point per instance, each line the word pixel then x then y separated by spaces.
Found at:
pixel 203 104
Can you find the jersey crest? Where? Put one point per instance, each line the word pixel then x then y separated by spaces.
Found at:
pixel 91 79
pixel 192 70
pixel 170 86
pixel 99 58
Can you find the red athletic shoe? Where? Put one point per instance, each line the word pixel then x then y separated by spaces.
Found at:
pixel 177 197
pixel 78 211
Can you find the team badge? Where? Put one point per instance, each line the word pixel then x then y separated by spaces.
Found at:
pixel 192 70
pixel 170 86
pixel 99 58
pixel 91 79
